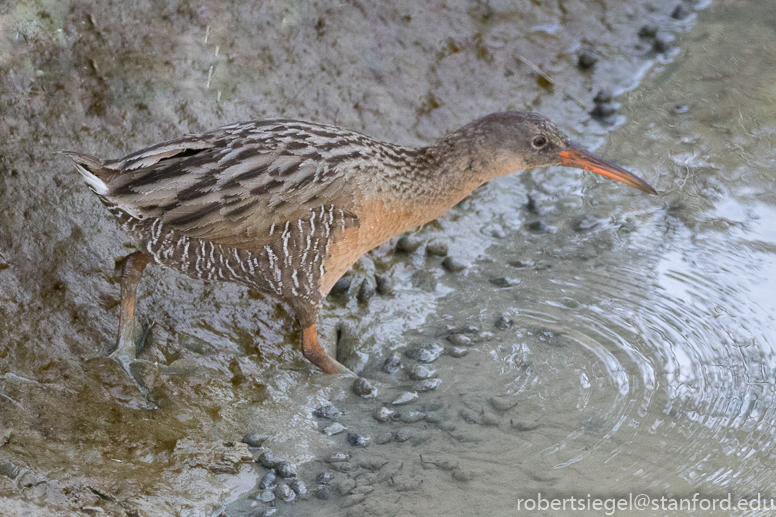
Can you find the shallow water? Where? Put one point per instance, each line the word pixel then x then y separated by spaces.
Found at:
pixel 639 358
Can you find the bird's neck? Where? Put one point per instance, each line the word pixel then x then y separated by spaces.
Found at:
pixel 433 179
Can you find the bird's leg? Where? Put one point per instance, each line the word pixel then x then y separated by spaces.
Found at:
pixel 131 332
pixel 314 352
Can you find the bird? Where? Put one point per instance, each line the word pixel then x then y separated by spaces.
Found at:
pixel 286 207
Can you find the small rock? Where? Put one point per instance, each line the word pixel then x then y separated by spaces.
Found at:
pixel 353 500
pixel 372 464
pixel 407 244
pixel 286 471
pixel 255 439
pixel 342 286
pixel 462 475
pixel 490 419
pixel 382 414
pixel 453 265
pixel 522 264
pixel 456 351
pixel 324 478
pixel 585 223
pixel 681 12
pixel 327 411
pixel 503 281
pixel 425 353
pixel 604 96
pixel 411 417
pixel 266 496
pixel 501 404
pixel 469 416
pixel 338 457
pixel 522 426
pixel 383 438
pixel 437 249
pixel 459 340
pixel 363 388
pixel 384 286
pixel 680 109
pixel 405 398
pixel 648 31
pixel 503 322
pixel 366 291
pixel 586 60
pixel 427 385
pixel 298 486
pixel 284 493
pixel 333 429
pixel 269 460
pixel 268 480
pixel 661 45
pixel 345 486
pixel 392 363
pixel 601 111
pixel 269 512
pixel 322 492
pixel 357 440
pixel 420 372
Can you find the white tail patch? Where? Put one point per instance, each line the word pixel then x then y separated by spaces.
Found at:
pixel 95 183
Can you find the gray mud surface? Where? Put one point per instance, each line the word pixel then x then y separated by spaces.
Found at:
pixel 597 341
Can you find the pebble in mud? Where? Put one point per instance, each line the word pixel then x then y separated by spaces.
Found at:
pixel 425 353
pixel 459 340
pixel 286 470
pixel 285 493
pixel 382 414
pixel 503 322
pixel 353 500
pixel 255 439
pixel 268 480
pixel 342 286
pixel 437 249
pixel 456 351
pixel 357 440
pixel 405 398
pixel 383 285
pixel 648 31
pixel 462 475
pixel 266 496
pixel 587 60
pixel 327 411
pixel 427 385
pixel 503 281
pixel 363 388
pixel 407 244
pixel 383 438
pixel 501 404
pixel 322 492
pixel 681 12
pixel 333 429
pixel 411 417
pixel 453 265
pixel 469 416
pixel 269 512
pixel 366 291
pixel 420 372
pixel 269 460
pixel 392 363
pixel 490 419
pixel 324 478
pixel 345 486
pixel 298 486
pixel 338 457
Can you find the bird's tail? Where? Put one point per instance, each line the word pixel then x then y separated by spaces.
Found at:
pixel 92 169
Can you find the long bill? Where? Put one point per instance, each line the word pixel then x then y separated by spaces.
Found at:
pixel 579 158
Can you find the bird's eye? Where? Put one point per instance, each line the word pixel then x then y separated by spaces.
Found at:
pixel 539 142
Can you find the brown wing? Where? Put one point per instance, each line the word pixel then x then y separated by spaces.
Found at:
pixel 236 185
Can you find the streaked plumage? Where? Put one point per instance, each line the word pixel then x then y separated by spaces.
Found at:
pixel 287 207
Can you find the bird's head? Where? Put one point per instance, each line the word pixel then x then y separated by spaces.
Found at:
pixel 513 141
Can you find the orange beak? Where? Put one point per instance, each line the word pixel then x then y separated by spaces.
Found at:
pixel 581 159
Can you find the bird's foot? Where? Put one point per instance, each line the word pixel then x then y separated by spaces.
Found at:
pixel 131 338
pixel 314 352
